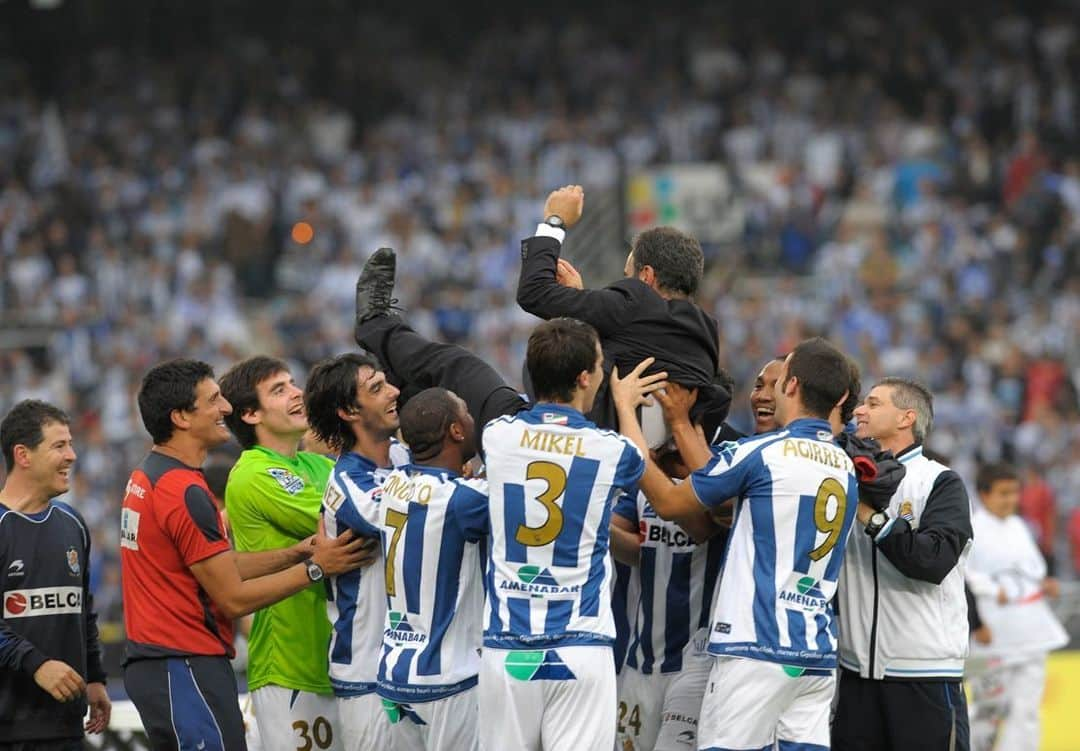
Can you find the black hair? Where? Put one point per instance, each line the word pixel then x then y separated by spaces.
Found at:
pixel 166 387
pixel 558 351
pixel 988 474
pixel 425 419
pixel 675 256
pixel 847 409
pixel 239 386
pixel 25 425
pixel 331 385
pixel 823 372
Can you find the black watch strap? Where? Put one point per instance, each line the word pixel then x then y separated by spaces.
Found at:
pixel 876 523
pixel 314 571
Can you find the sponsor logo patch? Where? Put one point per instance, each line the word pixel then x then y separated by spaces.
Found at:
pixel 129 529
pixel 73 561
pixel 803 594
pixel 537 665
pixel 686 737
pixel 537 582
pixel 401 631
pixel 29 603
pixel 16 568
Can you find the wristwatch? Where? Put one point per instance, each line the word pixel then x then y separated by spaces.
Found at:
pixel 555 221
pixel 877 522
pixel 314 571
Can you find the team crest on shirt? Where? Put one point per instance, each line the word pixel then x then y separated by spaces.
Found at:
pixel 553 418
pixel 73 561
pixel 291 483
pixel 907 511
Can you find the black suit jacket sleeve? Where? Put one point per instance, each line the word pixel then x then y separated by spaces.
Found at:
pixel 930 552
pixel 607 310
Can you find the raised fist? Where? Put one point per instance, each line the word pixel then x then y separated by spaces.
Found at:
pixel 567 203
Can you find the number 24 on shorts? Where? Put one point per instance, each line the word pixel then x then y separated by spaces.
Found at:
pixel 633 721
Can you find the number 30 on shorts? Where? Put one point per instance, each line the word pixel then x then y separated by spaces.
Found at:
pixel 320 734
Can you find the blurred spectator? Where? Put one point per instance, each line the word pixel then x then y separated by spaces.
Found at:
pixel 908 185
pixel 1038 507
pixel 1007 575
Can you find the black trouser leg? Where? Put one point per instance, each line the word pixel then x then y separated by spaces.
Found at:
pixel 413 363
pixel 940 707
pixel 899 715
pixel 858 724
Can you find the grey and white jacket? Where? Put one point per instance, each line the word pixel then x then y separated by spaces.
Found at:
pixel 903 613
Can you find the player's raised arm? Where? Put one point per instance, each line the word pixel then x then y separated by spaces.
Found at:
pixel 549 287
pixel 670 501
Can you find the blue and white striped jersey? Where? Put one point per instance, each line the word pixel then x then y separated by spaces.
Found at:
pixel 625 591
pixel 431 522
pixel 797 498
pixel 357 601
pixel 553 478
pixel 676 579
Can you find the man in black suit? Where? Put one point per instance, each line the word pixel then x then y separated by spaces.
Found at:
pixel 649 313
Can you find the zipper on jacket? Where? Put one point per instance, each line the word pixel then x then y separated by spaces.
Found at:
pixel 873 623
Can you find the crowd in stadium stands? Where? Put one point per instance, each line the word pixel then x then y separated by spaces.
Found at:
pixel 922 209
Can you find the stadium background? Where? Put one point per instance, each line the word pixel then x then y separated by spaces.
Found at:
pixel 906 182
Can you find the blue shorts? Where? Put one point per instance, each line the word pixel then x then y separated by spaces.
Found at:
pixel 187 703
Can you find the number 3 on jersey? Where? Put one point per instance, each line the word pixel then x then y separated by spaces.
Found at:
pixel 545 534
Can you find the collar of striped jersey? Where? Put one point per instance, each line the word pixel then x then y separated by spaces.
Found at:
pixel 433 471
pixel 555 414
pixel 358 461
pixel 809 426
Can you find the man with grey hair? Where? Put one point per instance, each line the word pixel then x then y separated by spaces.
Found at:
pixel 903 613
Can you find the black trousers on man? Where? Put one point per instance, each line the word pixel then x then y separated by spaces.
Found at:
pixel 899 715
pixel 413 363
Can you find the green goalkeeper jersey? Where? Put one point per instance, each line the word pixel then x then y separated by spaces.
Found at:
pixel 273 502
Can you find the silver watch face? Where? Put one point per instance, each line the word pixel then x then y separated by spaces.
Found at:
pixel 314 571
